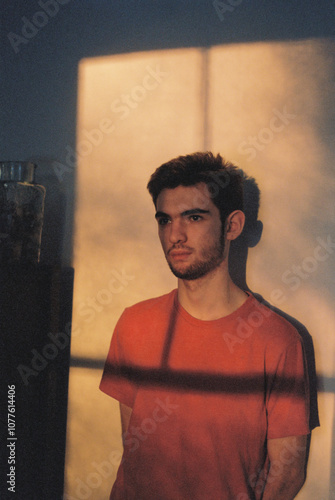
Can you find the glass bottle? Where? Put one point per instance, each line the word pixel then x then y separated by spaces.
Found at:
pixel 21 213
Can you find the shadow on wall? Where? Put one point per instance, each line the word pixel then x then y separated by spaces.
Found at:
pixel 238 256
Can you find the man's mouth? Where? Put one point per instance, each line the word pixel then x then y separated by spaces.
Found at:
pixel 179 254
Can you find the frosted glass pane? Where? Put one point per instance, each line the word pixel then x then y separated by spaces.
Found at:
pixel 271 111
pixel 135 112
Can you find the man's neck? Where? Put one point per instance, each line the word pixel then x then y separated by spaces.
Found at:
pixel 211 297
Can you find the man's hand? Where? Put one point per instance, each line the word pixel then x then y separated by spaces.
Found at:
pixel 287 467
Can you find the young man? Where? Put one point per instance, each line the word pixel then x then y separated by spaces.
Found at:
pixel 211 384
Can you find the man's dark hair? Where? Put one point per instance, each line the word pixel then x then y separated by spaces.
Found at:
pixel 223 179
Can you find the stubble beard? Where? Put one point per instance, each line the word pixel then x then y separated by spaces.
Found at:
pixel 211 258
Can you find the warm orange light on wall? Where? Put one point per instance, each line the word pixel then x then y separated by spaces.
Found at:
pixel 137 111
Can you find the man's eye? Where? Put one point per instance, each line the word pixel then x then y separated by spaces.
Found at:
pixel 163 221
pixel 195 218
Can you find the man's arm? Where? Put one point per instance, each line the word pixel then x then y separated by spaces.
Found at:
pixel 125 412
pixel 287 472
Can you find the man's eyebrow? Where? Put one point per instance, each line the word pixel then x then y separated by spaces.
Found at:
pixel 194 211
pixel 160 214
pixel 191 211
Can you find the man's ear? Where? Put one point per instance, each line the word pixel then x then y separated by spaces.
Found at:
pixel 234 224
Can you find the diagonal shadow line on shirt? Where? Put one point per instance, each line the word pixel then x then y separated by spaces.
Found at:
pixel 169 339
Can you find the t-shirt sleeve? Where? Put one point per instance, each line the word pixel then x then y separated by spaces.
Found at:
pixel 115 381
pixel 288 394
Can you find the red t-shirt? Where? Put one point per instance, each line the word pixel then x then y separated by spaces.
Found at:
pixel 206 396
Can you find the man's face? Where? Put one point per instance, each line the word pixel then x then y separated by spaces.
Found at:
pixel 190 231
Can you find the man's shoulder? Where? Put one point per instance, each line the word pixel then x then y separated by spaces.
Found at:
pixel 146 317
pixel 151 306
pixel 273 325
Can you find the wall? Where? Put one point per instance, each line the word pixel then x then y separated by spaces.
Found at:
pixel 40 113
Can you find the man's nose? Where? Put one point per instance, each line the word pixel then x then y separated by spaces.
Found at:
pixel 177 232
